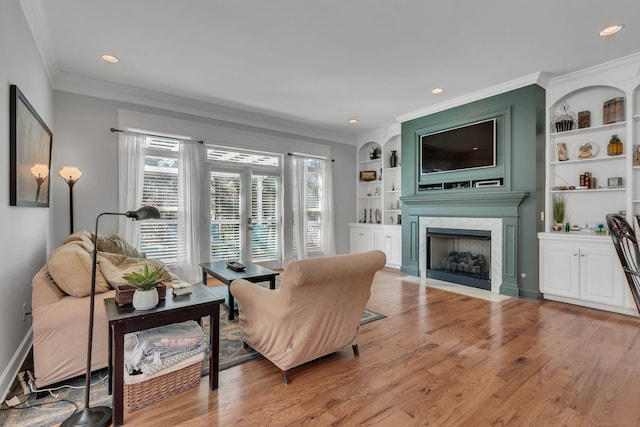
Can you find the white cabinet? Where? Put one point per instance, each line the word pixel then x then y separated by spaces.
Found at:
pixel 585 270
pixel 387 238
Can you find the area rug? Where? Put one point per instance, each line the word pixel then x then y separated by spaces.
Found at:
pixel 44 409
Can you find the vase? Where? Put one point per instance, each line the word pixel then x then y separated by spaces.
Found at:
pixel 145 300
pixel 393 159
pixel 615 146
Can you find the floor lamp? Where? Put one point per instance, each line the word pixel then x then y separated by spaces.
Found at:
pixel 70 174
pixel 100 415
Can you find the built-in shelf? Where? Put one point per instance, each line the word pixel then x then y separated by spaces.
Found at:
pixel 370 197
pixel 593 159
pixel 593 190
pixel 610 126
pixel 367 162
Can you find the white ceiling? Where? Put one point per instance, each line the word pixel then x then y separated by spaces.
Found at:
pixel 319 63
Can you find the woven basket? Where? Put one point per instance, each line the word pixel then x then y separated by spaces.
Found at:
pixel 155 389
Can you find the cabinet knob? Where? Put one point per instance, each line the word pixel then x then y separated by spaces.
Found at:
pixel 575 254
pixel 360 234
pixel 582 255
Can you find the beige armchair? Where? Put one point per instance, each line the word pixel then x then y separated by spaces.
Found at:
pixel 316 310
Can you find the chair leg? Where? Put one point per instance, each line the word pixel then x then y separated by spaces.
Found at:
pixel 285 379
pixel 356 350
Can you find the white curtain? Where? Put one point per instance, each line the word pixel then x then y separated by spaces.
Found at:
pixel 327 227
pixel 298 173
pixel 131 151
pixel 190 212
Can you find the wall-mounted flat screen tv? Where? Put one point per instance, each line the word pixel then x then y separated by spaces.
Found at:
pixel 470 146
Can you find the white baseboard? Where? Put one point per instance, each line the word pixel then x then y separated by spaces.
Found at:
pixel 12 369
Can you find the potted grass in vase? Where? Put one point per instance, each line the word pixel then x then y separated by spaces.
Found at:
pixel 559 204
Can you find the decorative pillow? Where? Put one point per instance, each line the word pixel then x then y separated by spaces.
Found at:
pixel 79 236
pixel 114 266
pixel 115 244
pixel 70 267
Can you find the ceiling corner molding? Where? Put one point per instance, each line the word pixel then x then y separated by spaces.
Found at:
pixel 538 78
pixel 88 86
pixel 623 62
pixel 35 17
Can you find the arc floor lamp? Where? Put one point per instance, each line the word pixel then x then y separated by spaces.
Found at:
pixel 100 415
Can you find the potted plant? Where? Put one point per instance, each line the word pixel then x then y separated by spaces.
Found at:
pixel 145 296
pixel 558 212
pixel 375 153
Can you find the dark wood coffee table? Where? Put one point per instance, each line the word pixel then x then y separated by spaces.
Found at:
pixel 172 309
pixel 253 273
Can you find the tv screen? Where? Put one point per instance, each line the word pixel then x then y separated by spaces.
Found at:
pixel 466 147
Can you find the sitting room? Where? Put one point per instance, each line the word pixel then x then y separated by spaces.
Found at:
pixel 348 213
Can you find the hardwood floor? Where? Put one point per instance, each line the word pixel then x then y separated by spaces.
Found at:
pixel 440 359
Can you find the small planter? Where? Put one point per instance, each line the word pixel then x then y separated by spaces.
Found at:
pixel 145 300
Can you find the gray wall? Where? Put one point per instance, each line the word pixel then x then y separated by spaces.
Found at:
pixel 25 231
pixel 82 126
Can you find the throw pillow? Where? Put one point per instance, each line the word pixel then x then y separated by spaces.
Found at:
pixel 70 267
pixel 114 266
pixel 115 244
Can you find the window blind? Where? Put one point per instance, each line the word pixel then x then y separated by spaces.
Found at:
pixel 264 218
pixel 225 216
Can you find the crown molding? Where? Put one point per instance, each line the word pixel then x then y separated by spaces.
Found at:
pixel 619 63
pixel 35 17
pixel 83 85
pixel 539 78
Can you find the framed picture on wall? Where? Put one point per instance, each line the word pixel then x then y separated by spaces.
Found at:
pixel 30 143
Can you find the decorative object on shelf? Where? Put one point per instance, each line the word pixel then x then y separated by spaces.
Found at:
pixel 614 148
pixel 393 159
pixel 377 193
pixel 393 186
pixel 364 219
pixel 71 175
pixel 30 143
pixel 399 219
pixel 636 155
pixel 564 119
pixel 375 153
pixel 380 175
pixel 559 204
pixel 567 227
pixel 587 181
pixel 584 119
pixel 370 216
pixel 100 415
pixel 562 151
pixel 588 150
pixel 614 182
pixel 391 219
pixel 378 216
pixel 398 204
pixel 368 175
pixel 613 110
pixel 368 192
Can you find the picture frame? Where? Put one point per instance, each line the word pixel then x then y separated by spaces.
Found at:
pixel 30 141
pixel 368 175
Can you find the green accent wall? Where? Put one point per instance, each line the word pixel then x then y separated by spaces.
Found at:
pixel 520 162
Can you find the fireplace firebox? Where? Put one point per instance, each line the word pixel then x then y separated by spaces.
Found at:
pixel 459 256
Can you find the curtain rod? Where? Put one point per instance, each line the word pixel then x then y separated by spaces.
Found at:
pixel 151 134
pixel 309 157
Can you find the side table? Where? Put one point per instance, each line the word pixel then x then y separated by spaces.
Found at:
pixel 172 309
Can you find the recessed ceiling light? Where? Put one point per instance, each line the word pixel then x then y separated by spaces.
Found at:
pixel 110 58
pixel 609 31
pixel 437 91
pixel 353 121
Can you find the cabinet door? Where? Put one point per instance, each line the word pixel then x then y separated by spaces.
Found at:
pixel 395 254
pixel 360 240
pixel 560 269
pixel 601 276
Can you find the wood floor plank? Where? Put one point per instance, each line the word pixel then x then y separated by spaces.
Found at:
pixel 442 359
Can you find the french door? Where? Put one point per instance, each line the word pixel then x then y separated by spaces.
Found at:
pixel 245 216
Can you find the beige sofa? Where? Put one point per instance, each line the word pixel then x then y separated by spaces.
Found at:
pixel 316 310
pixel 60 305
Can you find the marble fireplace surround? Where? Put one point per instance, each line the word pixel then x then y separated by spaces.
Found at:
pixel 494 225
pixel 480 209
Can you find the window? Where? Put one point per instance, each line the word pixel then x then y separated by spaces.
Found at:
pixel 159 238
pixel 312 205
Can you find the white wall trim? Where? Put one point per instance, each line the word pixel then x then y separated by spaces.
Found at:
pixel 117 92
pixel 14 365
pixel 35 17
pixel 539 78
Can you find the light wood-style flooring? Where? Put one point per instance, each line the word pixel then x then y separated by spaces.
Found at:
pixel 440 359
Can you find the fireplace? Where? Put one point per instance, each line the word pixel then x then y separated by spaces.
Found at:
pixel 460 256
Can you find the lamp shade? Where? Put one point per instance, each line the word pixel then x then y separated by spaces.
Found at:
pixel 70 173
pixel 40 170
pixel 145 212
